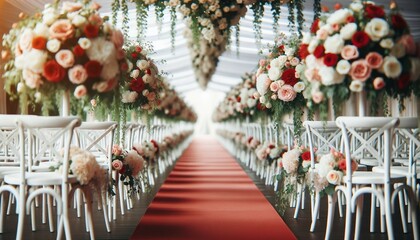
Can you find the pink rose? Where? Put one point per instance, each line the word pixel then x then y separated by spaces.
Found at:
pixel 72 6
pixel 378 83
pixel 117 165
pixel 25 40
pixel 117 38
pixel 116 150
pixel 32 79
pixel 409 44
pixel 77 74
pixel 349 52
pixel 312 74
pixel 294 61
pixel 80 91
pixel 274 86
pixel 374 60
pixel 360 70
pixel 317 97
pixel 62 29
pixel 286 93
pixel 65 58
pixel 322 34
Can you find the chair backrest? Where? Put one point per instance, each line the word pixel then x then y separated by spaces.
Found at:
pixel 46 136
pixel 322 136
pixel 408 140
pixel 9 140
pixel 378 129
pixel 97 138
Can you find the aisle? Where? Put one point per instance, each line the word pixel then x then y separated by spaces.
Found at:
pixel 209 196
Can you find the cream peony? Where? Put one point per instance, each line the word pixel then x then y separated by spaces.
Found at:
pixel 263 82
pixel 343 67
pixel 387 43
pixel 329 76
pixel 101 50
pixel 110 69
pixel 142 64
pixel 340 16
pixel 398 50
pixel 41 30
pixel 274 73
pixel 348 31
pixel 356 86
pixel 84 166
pixel 33 60
pixel 25 40
pixel 135 161
pixel 312 45
pixel 392 67
pixel 290 161
pixel 334 44
pixel 377 28
pixel 78 20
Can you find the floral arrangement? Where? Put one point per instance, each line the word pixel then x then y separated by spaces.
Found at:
pixel 84 167
pixel 293 165
pixel 278 80
pixel 329 172
pixel 359 49
pixel 66 47
pixel 128 164
pixel 148 150
pixel 269 152
pixel 143 86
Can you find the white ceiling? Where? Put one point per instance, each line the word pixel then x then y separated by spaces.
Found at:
pixel 178 63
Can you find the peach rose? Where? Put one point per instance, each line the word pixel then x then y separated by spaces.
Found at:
pixel 287 93
pixel 117 165
pixel 378 83
pixel 80 91
pixel 77 74
pixel 349 52
pixel 374 60
pixel 72 6
pixel 274 86
pixel 25 40
pixel 65 58
pixel 334 177
pixel 117 38
pixel 409 44
pixel 32 79
pixel 360 70
pixel 62 29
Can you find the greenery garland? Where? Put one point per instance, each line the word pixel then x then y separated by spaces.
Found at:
pixel 115 6
pixel 291 17
pixel 300 16
pixel 276 10
pixel 317 9
pixel 258 10
pixel 141 19
pixel 126 19
pixel 173 29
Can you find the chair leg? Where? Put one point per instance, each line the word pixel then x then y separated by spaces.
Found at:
pixel 372 212
pixel 102 202
pixel 2 211
pixel 315 211
pixel 298 201
pixel 402 211
pixel 330 217
pixel 33 218
pixel 50 213
pixel 359 213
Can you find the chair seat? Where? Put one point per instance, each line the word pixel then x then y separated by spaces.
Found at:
pixel 38 178
pixel 402 170
pixel 362 177
pixel 7 170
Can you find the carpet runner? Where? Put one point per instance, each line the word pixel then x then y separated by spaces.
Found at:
pixel 209 196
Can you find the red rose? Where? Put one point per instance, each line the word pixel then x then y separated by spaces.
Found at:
pixel 148 72
pixel 238 99
pixel 53 72
pixel 314 26
pixel 350 19
pixel 122 170
pixel 360 39
pixel 398 22
pixel 137 85
pixel 78 51
pixel 124 66
pixel 373 11
pixel 330 59
pixel 39 42
pixel 306 156
pixel 289 77
pixel 342 165
pixel 403 81
pixel 303 51
pixel 260 106
pixel 319 51
pixel 93 68
pixel 91 31
pixel 134 55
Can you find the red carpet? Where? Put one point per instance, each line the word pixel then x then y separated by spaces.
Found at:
pixel 209 196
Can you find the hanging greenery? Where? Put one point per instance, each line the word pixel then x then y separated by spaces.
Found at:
pixel 317 9
pixel 258 10
pixel 276 11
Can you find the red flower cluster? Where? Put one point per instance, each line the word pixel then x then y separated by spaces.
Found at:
pixel 137 85
pixel 306 156
pixel 39 42
pixel 289 77
pixel 373 11
pixel 360 39
pixel 330 59
pixel 53 72
pixel 93 69
pixel 91 30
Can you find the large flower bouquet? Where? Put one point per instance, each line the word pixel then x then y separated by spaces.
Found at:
pixel 143 86
pixel 329 172
pixel 128 164
pixel 356 49
pixel 148 150
pixel 278 79
pixel 293 165
pixel 67 47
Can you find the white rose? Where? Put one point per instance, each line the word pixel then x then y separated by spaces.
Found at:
pixel 299 87
pixel 334 44
pixel 356 6
pixel 78 20
pixel 147 78
pixel 282 60
pixel 343 67
pixel 275 63
pixel 387 43
pixel 348 30
pixel 42 30
pixel 327 28
pixel 129 96
pixel 398 50
pixel 311 61
pixel 415 69
pixel 101 50
pixel 268 105
pixel 135 73
pixel 356 86
pixel 392 67
pixel 340 16
pixel 84 43
pixel 53 45
pixel 262 99
pixel 289 51
pixel 312 45
pixel 274 73
pixel 251 102
pixel 49 17
pixel 263 82
pixel 377 28
pixel 110 69
pixel 329 76
pixel 142 64
pixel 306 38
